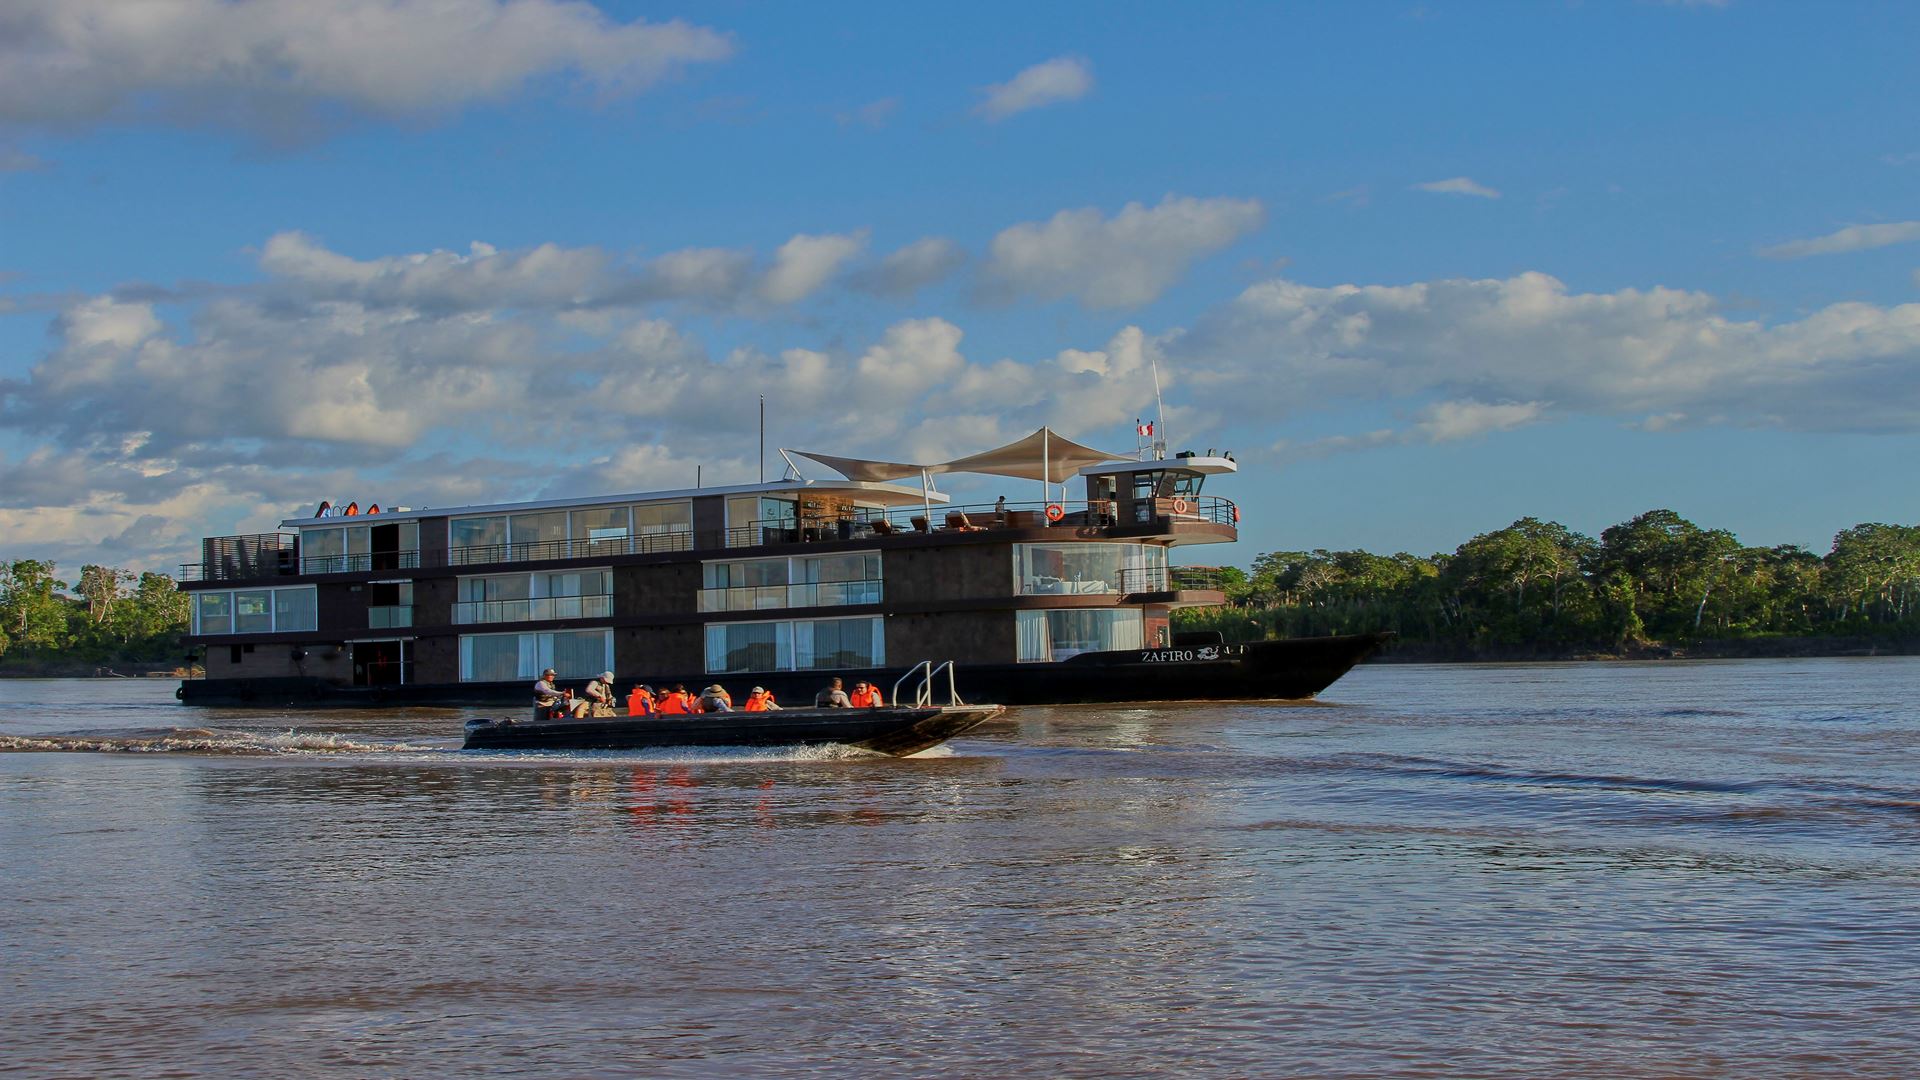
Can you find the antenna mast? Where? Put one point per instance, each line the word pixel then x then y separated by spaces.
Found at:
pixel 1160 432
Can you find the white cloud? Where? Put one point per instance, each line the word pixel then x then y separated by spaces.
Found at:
pixel 1628 354
pixel 805 263
pixel 1440 422
pixel 1130 258
pixel 1458 185
pixel 281 67
pixel 1851 238
pixel 1063 78
pixel 913 267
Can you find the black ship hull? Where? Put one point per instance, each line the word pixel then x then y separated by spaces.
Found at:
pixel 896 731
pixel 1289 669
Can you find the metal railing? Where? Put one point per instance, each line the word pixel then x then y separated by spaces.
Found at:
pixel 806 594
pixel 923 692
pixel 1152 579
pixel 536 609
pixel 273 554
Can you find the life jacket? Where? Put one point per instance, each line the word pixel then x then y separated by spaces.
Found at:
pixel 676 704
pixel 640 703
pixel 866 699
pixel 756 703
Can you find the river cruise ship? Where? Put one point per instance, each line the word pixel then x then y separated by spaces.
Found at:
pixel 861 575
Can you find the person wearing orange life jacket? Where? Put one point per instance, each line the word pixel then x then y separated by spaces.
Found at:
pixel 677 703
pixel 757 700
pixel 640 702
pixel 866 696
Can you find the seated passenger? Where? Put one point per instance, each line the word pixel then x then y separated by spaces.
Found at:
pixel 677 702
pixel 640 702
pixel 756 700
pixel 866 696
pixel 600 695
pixel 831 698
pixel 550 700
pixel 715 699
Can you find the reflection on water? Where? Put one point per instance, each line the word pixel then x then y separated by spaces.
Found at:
pixel 1635 870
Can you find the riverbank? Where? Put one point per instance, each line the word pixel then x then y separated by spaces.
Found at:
pixel 1759 648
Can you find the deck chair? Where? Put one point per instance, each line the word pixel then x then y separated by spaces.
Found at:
pixel 883 527
pixel 919 524
pixel 957 521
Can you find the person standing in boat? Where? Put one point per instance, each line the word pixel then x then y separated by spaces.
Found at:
pixel 833 697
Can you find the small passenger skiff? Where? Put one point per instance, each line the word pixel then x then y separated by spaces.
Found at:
pixel 896 730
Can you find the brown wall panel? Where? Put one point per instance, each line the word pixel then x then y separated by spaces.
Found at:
pixel 644 653
pixel 436 659
pixel 275 660
pixel 341 609
pixel 971 637
pixel 662 589
pixel 962 571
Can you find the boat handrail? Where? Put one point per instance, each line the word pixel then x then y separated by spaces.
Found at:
pixel 923 692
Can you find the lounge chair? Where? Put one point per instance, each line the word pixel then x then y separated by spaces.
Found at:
pixel 957 521
pixel 919 524
pixel 882 527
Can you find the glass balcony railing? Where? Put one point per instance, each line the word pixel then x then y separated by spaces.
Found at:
pixel 810 594
pixel 387 616
pixel 539 609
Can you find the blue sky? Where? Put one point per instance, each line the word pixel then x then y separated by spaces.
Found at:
pixel 1426 268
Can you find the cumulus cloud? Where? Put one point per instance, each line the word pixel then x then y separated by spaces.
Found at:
pixel 283 67
pixel 1440 422
pixel 805 263
pixel 1851 238
pixel 1130 258
pixel 550 277
pixel 1458 185
pixel 911 268
pixel 1628 354
pixel 1063 78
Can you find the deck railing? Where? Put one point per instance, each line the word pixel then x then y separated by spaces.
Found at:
pixel 232 558
pixel 805 594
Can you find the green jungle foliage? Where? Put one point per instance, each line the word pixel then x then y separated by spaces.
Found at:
pixel 1657 579
pixel 111 618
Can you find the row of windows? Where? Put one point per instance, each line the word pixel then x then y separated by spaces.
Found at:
pixel 801 645
pixel 255 611
pixel 664 526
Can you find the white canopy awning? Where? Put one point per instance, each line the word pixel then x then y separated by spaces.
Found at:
pixel 1043 455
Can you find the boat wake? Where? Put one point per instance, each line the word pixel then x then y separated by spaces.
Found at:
pixel 209 741
pixel 219 742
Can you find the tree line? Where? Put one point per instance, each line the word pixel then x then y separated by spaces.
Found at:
pixel 108 617
pixel 1537 585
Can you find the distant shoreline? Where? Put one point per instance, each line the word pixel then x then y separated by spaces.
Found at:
pixel 1769 648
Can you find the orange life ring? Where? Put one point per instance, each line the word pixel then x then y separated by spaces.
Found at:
pixel 1236 515
pixel 1179 506
pixel 1055 511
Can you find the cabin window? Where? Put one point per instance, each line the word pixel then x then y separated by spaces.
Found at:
pixel 801 645
pixel 213 614
pixel 802 581
pixel 296 609
pixel 539 536
pixel 822 644
pixel 603 528
pixel 1056 635
pixel 566 594
pixel 1049 569
pixel 749 647
pixel 477 539
pixel 576 654
pixel 322 551
pixel 255 611
pixel 664 526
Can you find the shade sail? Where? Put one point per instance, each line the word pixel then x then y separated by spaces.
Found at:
pixel 1043 455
